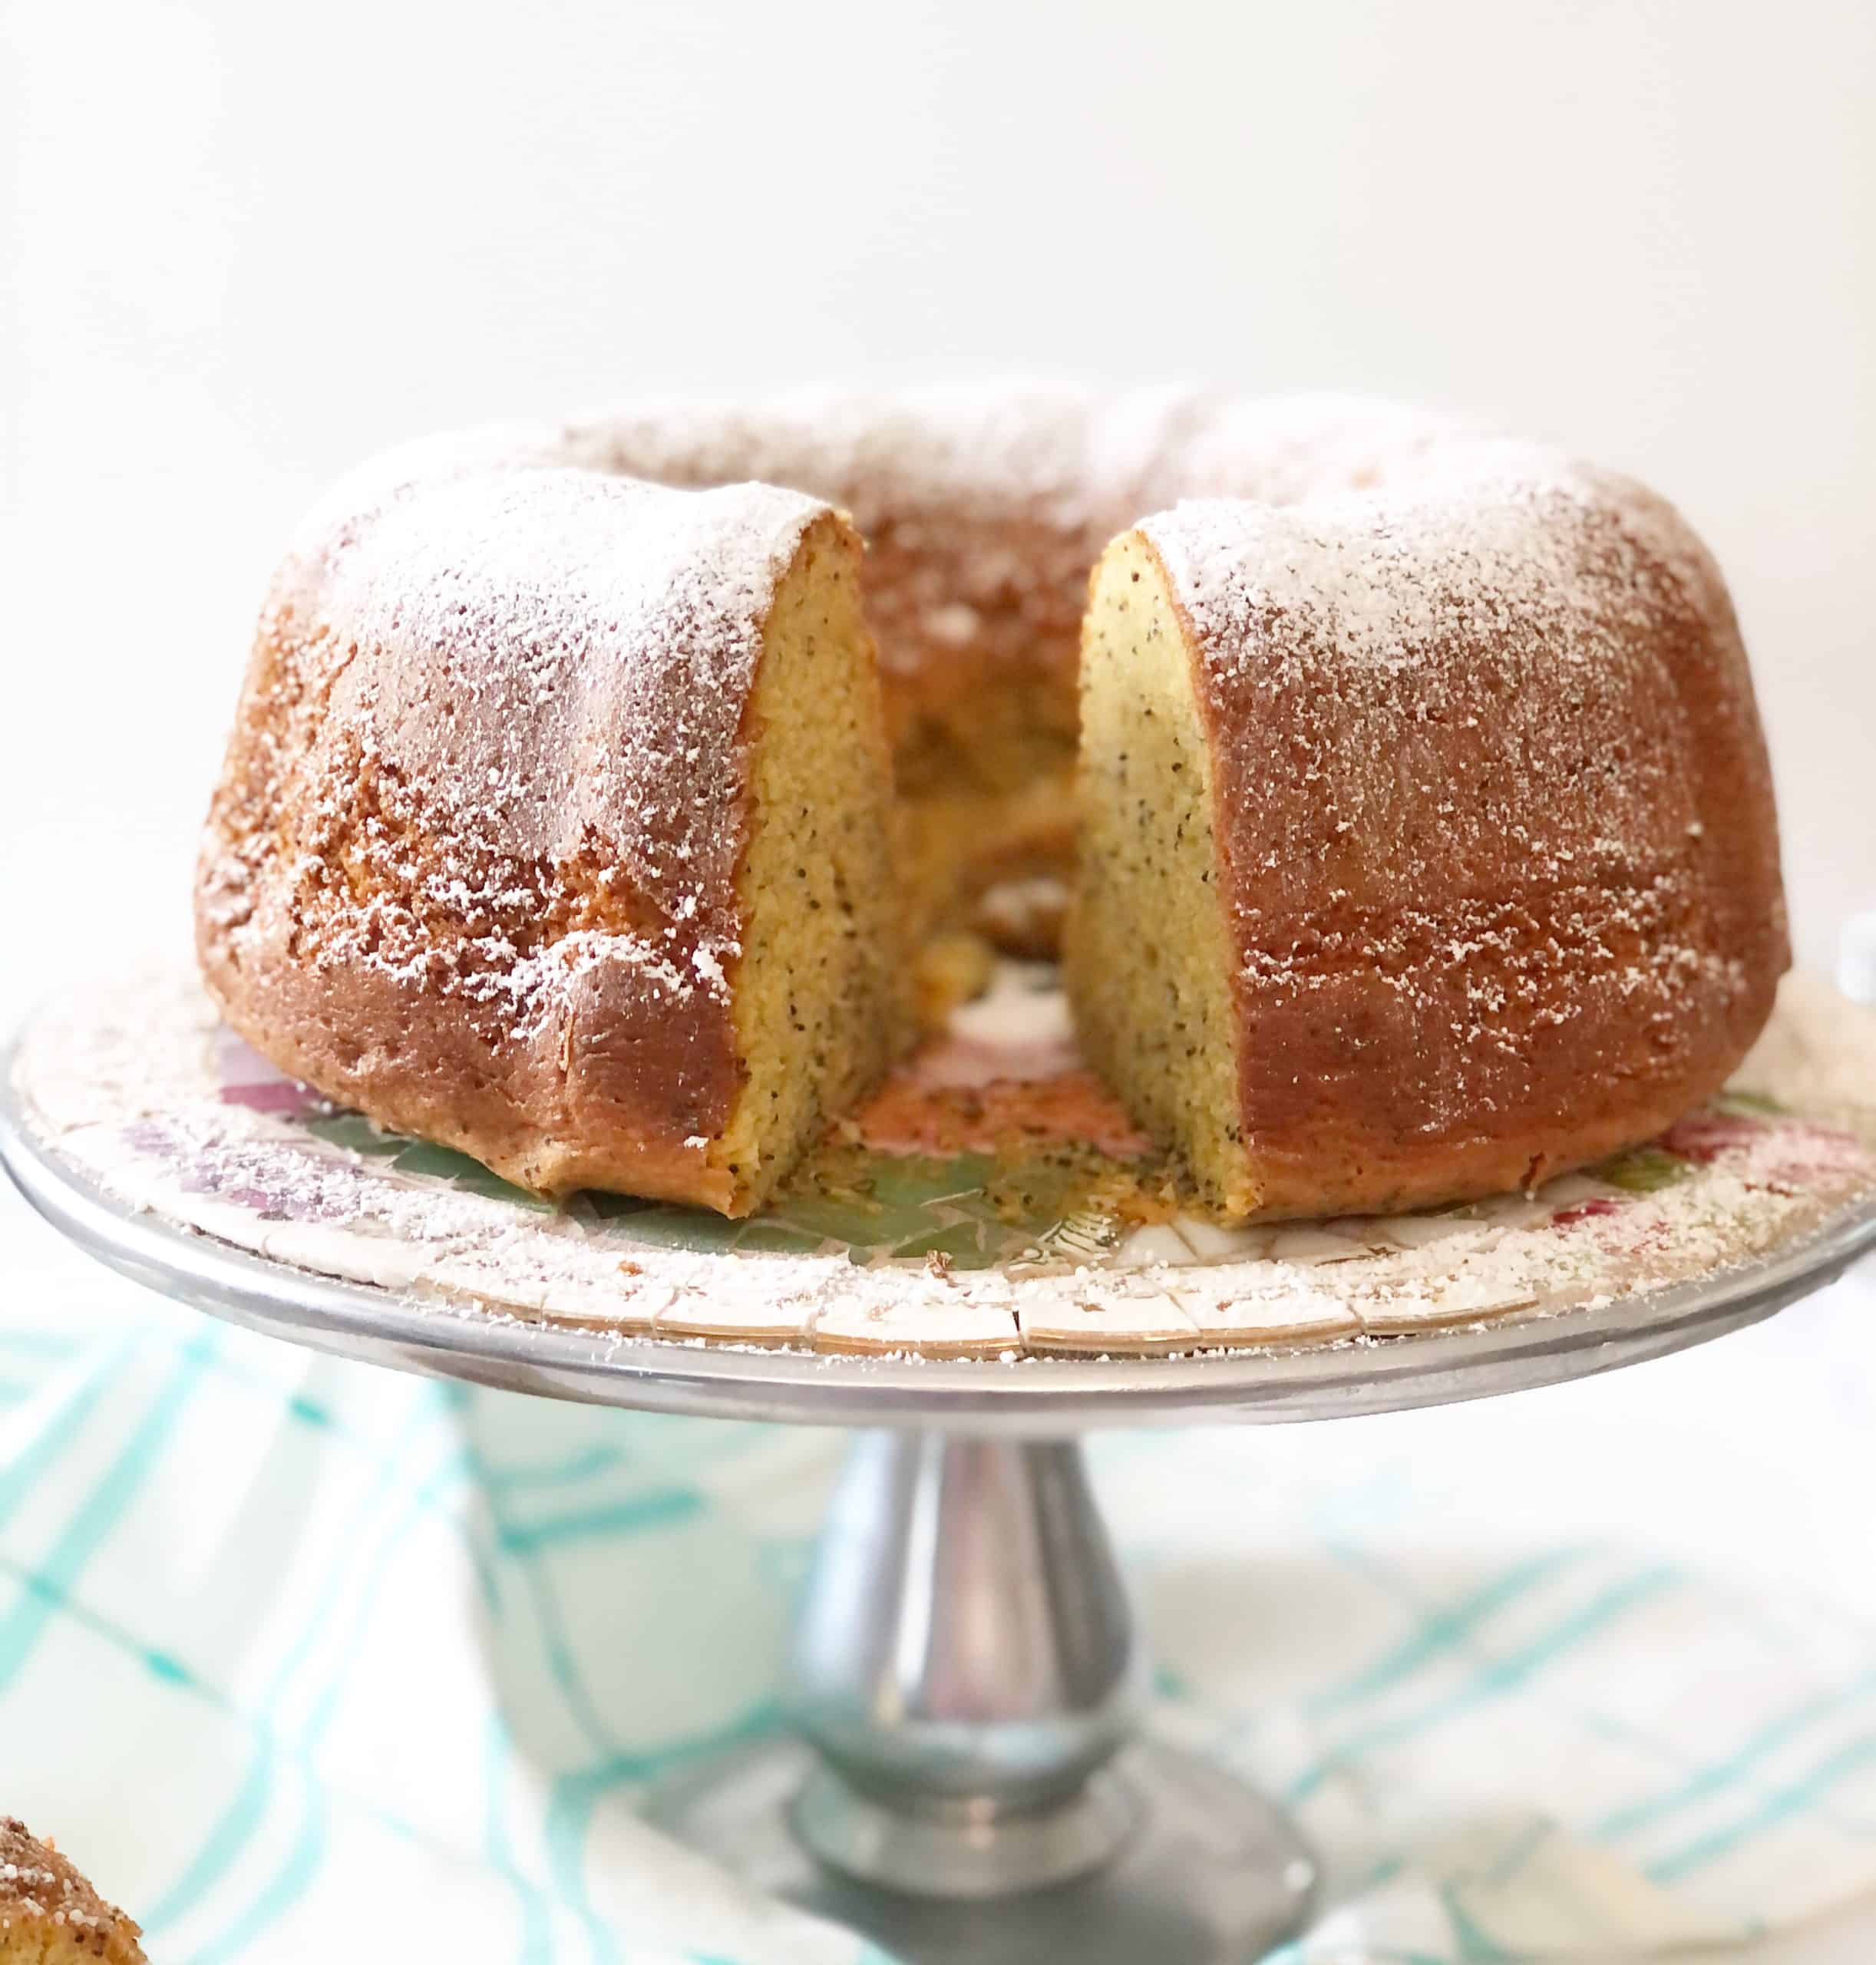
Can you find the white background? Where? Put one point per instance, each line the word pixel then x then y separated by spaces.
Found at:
pixel 248 244
pixel 245 244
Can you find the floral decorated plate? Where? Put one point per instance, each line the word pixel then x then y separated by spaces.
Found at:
pixel 992 1203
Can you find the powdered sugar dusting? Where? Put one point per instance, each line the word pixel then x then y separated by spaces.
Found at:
pixel 985 507
pixel 509 754
pixel 499 656
pixel 1492 542
pixel 1483 779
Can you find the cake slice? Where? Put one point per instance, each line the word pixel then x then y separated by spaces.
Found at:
pixel 555 826
pixel 1427 841
pixel 50 1915
pixel 821 989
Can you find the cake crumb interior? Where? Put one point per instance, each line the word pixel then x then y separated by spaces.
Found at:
pixel 818 992
pixel 1148 958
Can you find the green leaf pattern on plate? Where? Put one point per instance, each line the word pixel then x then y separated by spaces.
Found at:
pixel 872 1207
pixel 875 1206
pixel 357 1134
pixel 972 1209
pixel 1644 1170
pixel 1750 1105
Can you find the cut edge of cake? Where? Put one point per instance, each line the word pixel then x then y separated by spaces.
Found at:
pixel 818 995
pixel 1149 963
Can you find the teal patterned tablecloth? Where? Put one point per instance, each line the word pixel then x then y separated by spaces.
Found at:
pixel 300 1659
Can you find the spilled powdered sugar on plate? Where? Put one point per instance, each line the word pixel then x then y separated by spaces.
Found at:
pixel 921 1249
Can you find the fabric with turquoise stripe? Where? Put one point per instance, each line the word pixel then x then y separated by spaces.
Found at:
pixel 287 1644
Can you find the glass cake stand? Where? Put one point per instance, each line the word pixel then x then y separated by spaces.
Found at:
pixel 974 1774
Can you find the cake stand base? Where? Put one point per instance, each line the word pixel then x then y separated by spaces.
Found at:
pixel 968 1781
pixel 1212 1875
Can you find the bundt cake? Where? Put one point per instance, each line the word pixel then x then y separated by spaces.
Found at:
pixel 1426 845
pixel 49 1914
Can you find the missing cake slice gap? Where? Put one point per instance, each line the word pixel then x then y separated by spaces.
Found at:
pixel 1148 962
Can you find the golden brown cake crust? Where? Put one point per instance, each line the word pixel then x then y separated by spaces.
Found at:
pixel 1494 822
pixel 49 1914
pixel 471 866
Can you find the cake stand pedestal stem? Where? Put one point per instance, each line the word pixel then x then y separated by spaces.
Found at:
pixel 969 1781
pixel 965 1664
